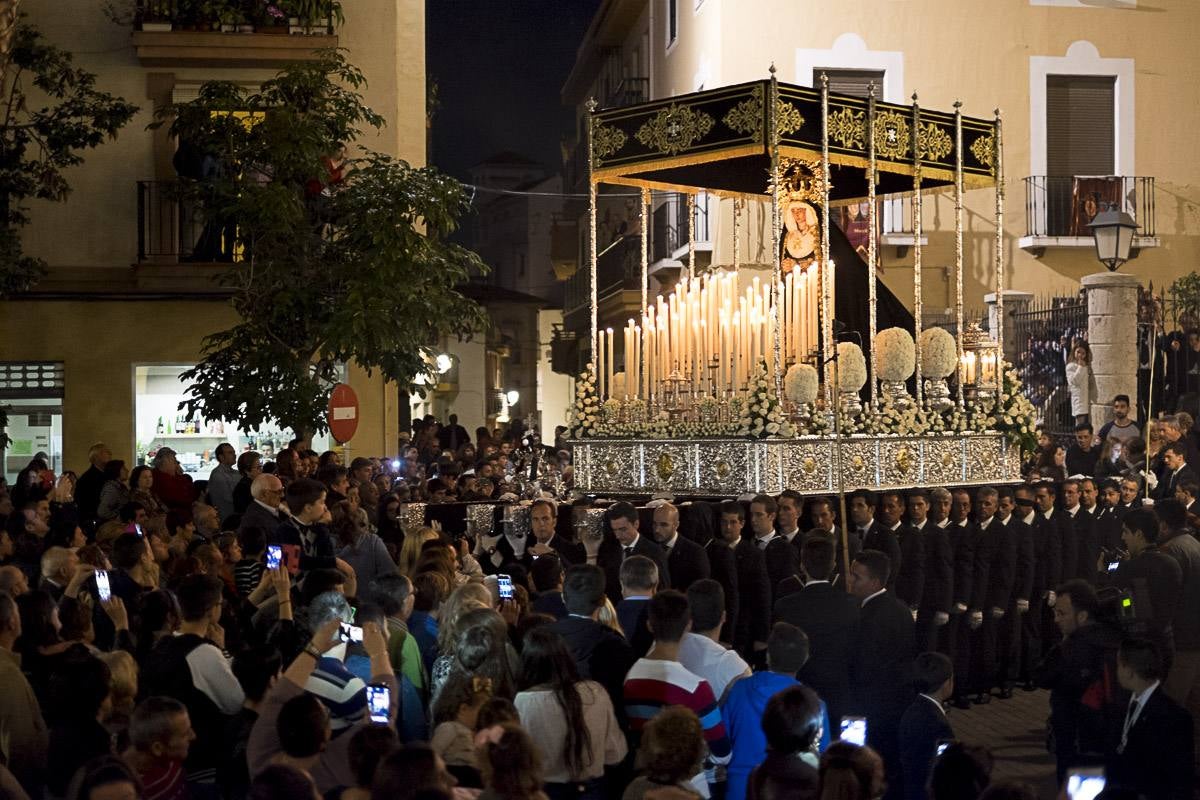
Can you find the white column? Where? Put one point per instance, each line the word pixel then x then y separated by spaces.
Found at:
pixel 1112 336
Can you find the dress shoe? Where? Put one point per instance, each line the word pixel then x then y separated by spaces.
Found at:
pixel 1029 686
pixel 961 702
pixel 1006 693
pixel 982 699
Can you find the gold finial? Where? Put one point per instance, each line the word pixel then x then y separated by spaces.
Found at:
pixel 871 90
pixel 824 80
pixel 958 105
pixel 591 104
pixel 997 113
pixel 772 69
pixel 914 98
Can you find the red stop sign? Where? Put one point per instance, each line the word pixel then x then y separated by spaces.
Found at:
pixel 343 413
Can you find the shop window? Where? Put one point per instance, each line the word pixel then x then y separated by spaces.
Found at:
pixel 158 422
pixel 32 394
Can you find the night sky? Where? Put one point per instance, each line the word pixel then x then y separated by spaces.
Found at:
pixel 499 66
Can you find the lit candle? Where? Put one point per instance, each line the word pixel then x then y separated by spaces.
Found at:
pixel 609 360
pixel 598 357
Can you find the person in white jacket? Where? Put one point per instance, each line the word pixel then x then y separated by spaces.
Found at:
pixel 1080 381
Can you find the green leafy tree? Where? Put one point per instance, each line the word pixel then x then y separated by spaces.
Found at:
pixel 339 253
pixel 52 113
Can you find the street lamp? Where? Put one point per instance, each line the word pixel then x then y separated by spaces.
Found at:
pixel 512 396
pixel 443 363
pixel 1113 231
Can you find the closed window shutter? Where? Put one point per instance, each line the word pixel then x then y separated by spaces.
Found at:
pixel 853 82
pixel 1080 129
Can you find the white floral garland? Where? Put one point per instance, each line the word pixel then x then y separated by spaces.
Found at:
pixel 800 383
pixel 762 416
pixel 896 354
pixel 939 353
pixel 852 367
pixel 585 411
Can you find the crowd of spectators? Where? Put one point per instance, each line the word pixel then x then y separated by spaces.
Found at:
pixel 280 633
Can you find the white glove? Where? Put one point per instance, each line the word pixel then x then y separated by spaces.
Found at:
pixel 959 608
pixel 997 612
pixel 976 619
pixel 1022 606
pixel 914 613
pixel 941 618
pixel 1151 480
pixel 1051 599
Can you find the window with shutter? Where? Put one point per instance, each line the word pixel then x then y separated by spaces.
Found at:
pixel 853 82
pixel 1080 126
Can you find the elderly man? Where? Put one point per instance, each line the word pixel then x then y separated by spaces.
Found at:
pixel 263 511
pixel 223 480
pixel 686 561
pixel 171 485
pixel 249 467
pixel 58 567
pixel 13 581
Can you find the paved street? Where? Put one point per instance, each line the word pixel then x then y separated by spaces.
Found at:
pixel 1015 731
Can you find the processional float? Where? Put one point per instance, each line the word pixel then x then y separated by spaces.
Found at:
pixel 732 384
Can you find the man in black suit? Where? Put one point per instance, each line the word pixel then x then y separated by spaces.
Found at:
pixel 723 567
pixel 861 507
pixel 779 556
pixel 1108 517
pixel 1176 468
pixel 543 521
pixel 937 598
pixel 1153 579
pixel 753 618
pixel 824 520
pixel 639 582
pixel 995 563
pixel 910 578
pixel 1039 620
pixel 263 510
pixel 924 723
pixel 623 519
pixel 791 506
pixel 956 638
pixel 829 617
pixel 1019 544
pixel 547 576
pixel 1154 756
pixel 1084 453
pixel 600 653
pixel 1076 532
pixel 881 667
pixel 686 560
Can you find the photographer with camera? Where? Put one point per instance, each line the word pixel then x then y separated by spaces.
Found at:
pixel 1152 579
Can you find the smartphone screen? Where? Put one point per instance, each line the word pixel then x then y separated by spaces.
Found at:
pixel 854 730
pixel 506 587
pixel 379 702
pixel 351 633
pixel 102 586
pixel 942 745
pixel 1085 784
pixel 274 556
pixel 138 528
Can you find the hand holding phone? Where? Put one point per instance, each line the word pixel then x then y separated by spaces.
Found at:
pixel 350 633
pixel 1085 783
pixel 274 556
pixel 854 730
pixel 505 584
pixel 379 704
pixel 103 588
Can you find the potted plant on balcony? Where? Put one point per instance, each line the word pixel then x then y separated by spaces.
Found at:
pixel 155 15
pixel 271 16
pixel 314 16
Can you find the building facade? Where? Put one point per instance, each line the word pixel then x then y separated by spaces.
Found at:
pixel 1096 98
pixel 94 352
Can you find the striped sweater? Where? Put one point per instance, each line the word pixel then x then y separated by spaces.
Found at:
pixel 343 693
pixel 653 685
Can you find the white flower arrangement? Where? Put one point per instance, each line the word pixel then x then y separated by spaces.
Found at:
pixel 1015 415
pixel 896 354
pixel 852 367
pixel 890 420
pixel 939 353
pixel 800 383
pixel 812 422
pixel 761 415
pixel 585 412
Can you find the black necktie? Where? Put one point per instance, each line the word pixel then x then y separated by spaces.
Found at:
pixel 1133 705
pixel 628 550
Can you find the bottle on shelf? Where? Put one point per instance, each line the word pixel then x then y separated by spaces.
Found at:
pixel 169 429
pixel 159 429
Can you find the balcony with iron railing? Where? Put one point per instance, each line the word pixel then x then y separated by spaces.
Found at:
pixel 173 229
pixel 629 92
pixel 669 231
pixel 1058 209
pixel 233 33
pixel 618 269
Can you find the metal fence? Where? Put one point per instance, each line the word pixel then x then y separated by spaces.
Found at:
pixel 1045 333
pixel 1063 205
pixel 669 233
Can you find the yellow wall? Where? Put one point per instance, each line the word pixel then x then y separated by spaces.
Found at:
pixel 979 52
pixel 101 340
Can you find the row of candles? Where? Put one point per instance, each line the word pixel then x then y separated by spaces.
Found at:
pixel 710 333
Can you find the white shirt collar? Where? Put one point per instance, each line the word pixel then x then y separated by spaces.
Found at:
pixel 920 527
pixel 936 702
pixel 1143 696
pixel 1073 511
pixel 1030 518
pixel 633 543
pixel 813 583
pixel 895 527
pixel 760 540
pixel 944 523
pixel 869 598
pixel 986 522
pixel 792 535
pixel 274 511
pixel 671 544
pixel 1048 514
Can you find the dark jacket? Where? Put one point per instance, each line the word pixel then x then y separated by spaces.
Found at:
pixel 257 516
pixel 1082 462
pixel 783 777
pixel 1157 760
pixel 962 544
pixel 754 606
pixel 1185 549
pixel 779 558
pixel 885 541
pixel 921 728
pixel 1169 480
pixel 631 613
pixel 1155 582
pixel 687 562
pixel 1047 553
pixel 600 654
pixel 938 594
pixel 312 546
pixel 550 603
pixel 881 666
pixel 644 546
pixel 830 618
pixel 910 582
pixel 1024 566
pixel 724 571
pixel 87 494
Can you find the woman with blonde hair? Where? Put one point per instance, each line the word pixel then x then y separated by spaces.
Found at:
pixel 608 616
pixel 123 689
pixel 410 551
pixel 462 601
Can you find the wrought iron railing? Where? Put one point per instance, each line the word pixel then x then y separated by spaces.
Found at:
pixel 1063 205
pixel 669 233
pixel 310 16
pixel 630 91
pixel 1045 333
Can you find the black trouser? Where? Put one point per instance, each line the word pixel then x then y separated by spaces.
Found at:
pixel 1033 641
pixel 955 642
pixel 1008 668
pixel 985 653
pixel 928 630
